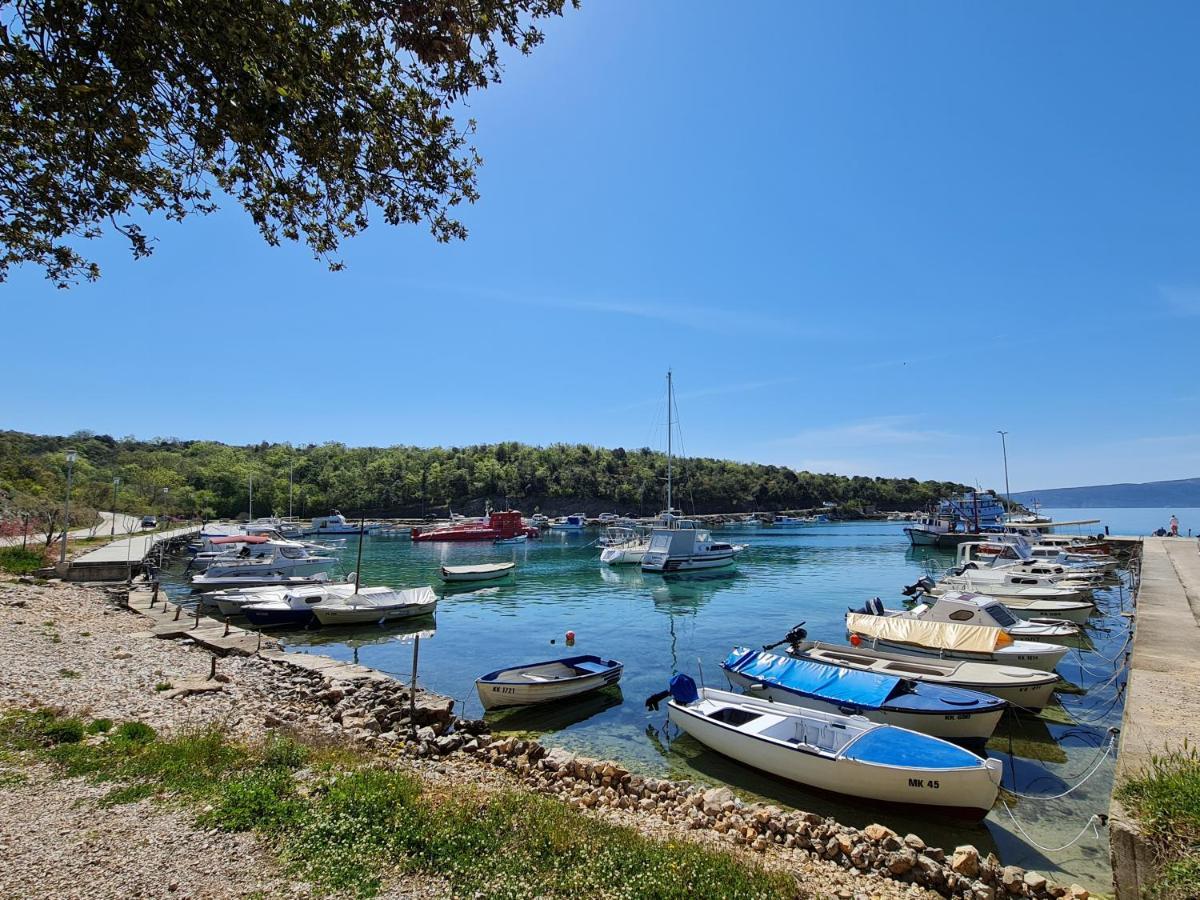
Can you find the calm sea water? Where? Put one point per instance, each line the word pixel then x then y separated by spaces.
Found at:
pixel 658 625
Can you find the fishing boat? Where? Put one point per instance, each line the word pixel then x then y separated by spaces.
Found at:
pixel 543 682
pixel 982 643
pixel 573 522
pixel 1029 689
pixel 498 525
pixel 335 523
pixel 959 607
pixel 485 572
pixel 515 539
pixel 211 582
pixel 376 604
pixel 1027 603
pixel 782 521
pixel 946 712
pixel 842 754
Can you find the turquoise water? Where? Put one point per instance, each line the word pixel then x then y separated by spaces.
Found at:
pixel 657 625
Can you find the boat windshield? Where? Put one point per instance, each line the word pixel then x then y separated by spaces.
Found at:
pixel 1000 614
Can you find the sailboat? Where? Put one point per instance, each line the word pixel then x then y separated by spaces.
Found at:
pixel 676 544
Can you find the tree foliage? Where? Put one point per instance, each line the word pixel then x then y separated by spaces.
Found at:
pixel 204 477
pixel 310 113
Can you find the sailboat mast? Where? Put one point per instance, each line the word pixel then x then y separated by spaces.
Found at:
pixel 250 512
pixel 670 426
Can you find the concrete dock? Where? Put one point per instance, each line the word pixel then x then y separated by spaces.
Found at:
pixel 1162 705
pixel 113 561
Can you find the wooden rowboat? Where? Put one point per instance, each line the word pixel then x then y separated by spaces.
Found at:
pixel 544 682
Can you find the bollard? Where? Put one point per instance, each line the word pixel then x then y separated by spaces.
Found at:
pixel 212 667
pixel 226 634
pixel 154 596
pixel 197 622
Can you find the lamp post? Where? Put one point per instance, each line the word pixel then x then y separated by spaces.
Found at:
pixel 1004 448
pixel 116 484
pixel 62 551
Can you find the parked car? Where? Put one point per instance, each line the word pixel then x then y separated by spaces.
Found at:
pixel 609 517
pixel 149 522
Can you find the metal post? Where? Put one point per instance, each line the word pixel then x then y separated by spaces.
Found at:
pixel 62 553
pixel 412 689
pixel 250 511
pixel 291 465
pixel 358 565
pixel 1004 447
pixel 116 483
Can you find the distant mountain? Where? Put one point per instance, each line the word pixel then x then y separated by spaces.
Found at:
pixel 1152 495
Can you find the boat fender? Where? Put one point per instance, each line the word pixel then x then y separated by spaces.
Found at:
pixel 570 638
pixel 855 640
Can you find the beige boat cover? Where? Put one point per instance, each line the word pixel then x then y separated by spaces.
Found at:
pixel 940 635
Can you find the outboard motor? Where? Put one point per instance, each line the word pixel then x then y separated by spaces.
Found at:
pixel 792 638
pixel 682 689
pixel 873 607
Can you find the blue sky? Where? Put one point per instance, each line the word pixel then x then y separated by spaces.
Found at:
pixel 864 235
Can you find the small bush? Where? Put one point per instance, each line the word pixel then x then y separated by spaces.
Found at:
pixel 265 799
pixel 100 726
pixel 1165 797
pixel 135 733
pixel 63 731
pixel 68 673
pixel 20 560
pixel 163 686
pixel 283 753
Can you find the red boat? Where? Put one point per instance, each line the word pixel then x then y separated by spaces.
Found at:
pixel 499 525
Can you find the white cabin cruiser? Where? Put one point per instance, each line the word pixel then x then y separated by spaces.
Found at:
pixel 955 607
pixel 335 523
pixel 1025 603
pixel 681 546
pixel 259 555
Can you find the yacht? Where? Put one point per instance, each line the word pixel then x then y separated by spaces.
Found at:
pixel 264 556
pixel 335 523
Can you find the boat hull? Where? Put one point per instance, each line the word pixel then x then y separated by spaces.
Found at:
pixel 453 577
pixel 502 693
pixel 1043 661
pixel 970 792
pixel 622 556
pixel 278 618
pixel 656 563
pixel 337 614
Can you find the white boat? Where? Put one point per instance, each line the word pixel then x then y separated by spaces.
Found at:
pixel 485 572
pixel 946 712
pixel 843 754
pixel 782 521
pixel 573 522
pixel 623 546
pixel 335 523
pixel 544 682
pixel 1084 562
pixel 516 539
pixel 982 643
pixel 684 547
pixel 210 582
pixel 1025 603
pixel 232 601
pixel 962 608
pixel 377 604
pixel 1029 689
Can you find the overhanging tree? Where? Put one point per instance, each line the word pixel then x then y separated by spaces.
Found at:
pixel 312 114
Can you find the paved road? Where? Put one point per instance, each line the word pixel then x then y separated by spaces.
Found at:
pixel 131 548
pixel 125 525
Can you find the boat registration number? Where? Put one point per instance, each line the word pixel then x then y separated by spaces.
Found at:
pixel 504 690
pixel 922 783
pixel 956 716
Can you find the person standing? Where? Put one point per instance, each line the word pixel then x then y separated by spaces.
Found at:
pixel 1174 527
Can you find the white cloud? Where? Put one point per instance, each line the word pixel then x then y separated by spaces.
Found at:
pixel 864 433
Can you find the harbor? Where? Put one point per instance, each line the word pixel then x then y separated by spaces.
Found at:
pixel 662 624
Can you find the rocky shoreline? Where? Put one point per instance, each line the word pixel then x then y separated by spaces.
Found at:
pixel 78 648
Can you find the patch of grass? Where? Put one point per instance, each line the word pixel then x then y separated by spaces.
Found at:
pixel 348 824
pixel 1165 797
pixel 99 726
pixel 68 673
pixel 163 686
pixel 34 729
pixel 12 779
pixel 21 561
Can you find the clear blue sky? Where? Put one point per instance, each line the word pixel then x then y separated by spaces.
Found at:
pixel 865 235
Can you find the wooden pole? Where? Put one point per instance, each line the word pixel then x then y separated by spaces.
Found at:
pixel 412 689
pixel 358 565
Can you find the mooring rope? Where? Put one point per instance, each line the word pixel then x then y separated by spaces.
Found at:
pixel 1090 823
pixel 1095 767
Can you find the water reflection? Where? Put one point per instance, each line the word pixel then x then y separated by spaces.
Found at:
pixel 550 717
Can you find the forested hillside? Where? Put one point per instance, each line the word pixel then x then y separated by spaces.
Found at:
pixel 212 479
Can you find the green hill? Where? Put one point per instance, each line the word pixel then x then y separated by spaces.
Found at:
pixel 1182 493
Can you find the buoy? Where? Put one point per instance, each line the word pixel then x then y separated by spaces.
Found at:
pixel 570 638
pixel 855 640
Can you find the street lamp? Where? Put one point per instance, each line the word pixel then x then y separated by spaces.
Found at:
pixel 62 551
pixel 1004 447
pixel 116 484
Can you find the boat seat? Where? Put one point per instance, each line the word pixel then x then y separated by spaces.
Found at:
pixel 529 676
pixel 589 666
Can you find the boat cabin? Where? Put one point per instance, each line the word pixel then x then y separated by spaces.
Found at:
pixel 966 609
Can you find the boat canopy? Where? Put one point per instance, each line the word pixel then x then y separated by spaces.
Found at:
pixel 942 635
pixel 240 539
pixel 864 689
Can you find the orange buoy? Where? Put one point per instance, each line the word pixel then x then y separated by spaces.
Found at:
pixel 855 640
pixel 570 638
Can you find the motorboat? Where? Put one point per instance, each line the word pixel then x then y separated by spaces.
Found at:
pixel 782 521
pixel 210 582
pixel 498 526
pixel 1023 602
pixel 623 546
pixel 292 609
pixel 231 601
pixel 485 572
pixel 684 547
pixel 962 608
pixel 271 525
pixel 848 755
pixel 335 523
pixel 515 539
pixel 981 643
pixel 376 604
pixel 956 519
pixel 573 522
pixel 946 712
pixel 1086 562
pixel 996 560
pixel 269 552
pixel 544 682
pixel 1029 689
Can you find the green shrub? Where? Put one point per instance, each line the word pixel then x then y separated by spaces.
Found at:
pixel 63 731
pixel 20 560
pixel 100 726
pixel 1165 797
pixel 283 752
pixel 135 733
pixel 265 799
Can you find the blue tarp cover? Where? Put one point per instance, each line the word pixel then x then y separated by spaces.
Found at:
pixel 834 683
pixel 898 747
